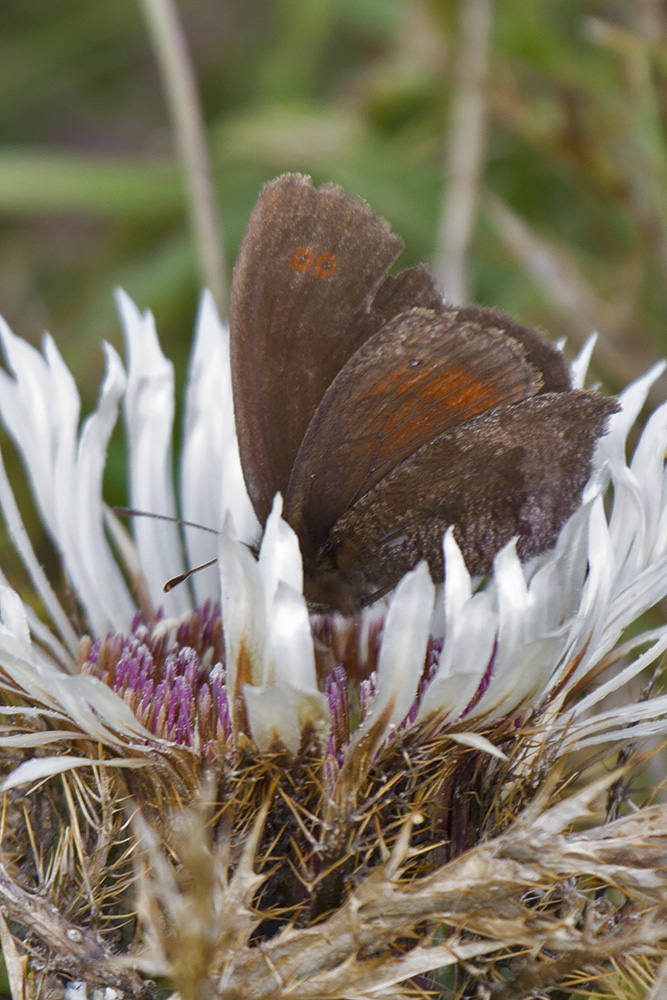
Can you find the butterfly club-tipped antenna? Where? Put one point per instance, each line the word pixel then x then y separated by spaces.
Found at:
pixel 182 577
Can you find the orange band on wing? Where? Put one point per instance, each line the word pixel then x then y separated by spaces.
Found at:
pixel 427 402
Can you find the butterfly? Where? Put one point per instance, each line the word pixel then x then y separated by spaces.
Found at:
pixel 384 414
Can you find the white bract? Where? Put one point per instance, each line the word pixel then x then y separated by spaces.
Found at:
pixel 518 642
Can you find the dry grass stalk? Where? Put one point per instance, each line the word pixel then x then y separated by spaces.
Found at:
pixel 230 895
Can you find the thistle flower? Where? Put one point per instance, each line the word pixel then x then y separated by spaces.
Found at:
pixel 212 787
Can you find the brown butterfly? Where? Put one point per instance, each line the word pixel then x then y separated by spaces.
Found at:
pixel 383 414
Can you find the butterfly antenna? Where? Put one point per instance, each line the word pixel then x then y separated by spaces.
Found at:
pixel 131 512
pixel 182 577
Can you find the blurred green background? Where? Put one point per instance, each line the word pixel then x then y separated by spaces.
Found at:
pixel 359 92
pixel 569 223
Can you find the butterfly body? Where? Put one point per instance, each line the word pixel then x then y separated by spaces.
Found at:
pixel 382 413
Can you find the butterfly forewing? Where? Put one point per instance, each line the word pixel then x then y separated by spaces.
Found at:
pixel 539 352
pixel 420 375
pixel 307 269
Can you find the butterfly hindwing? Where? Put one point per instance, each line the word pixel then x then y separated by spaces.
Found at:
pixel 421 374
pixel 517 471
